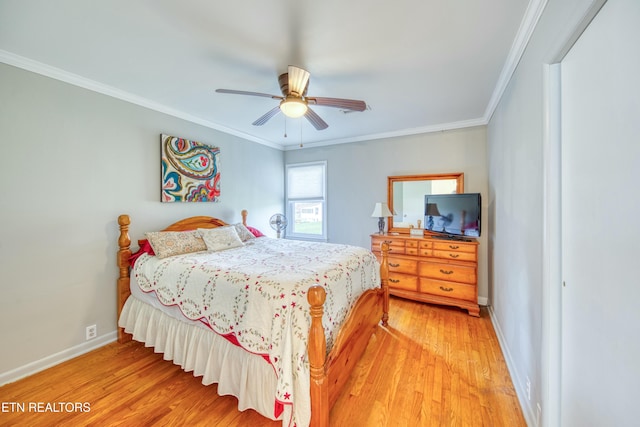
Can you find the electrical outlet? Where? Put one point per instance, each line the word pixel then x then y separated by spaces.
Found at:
pixel 528 389
pixel 91 332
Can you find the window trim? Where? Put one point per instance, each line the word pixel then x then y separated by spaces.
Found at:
pixel 290 234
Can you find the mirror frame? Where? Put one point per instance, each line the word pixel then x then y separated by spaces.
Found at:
pixel 458 176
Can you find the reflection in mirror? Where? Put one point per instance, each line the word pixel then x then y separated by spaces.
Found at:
pixel 406 197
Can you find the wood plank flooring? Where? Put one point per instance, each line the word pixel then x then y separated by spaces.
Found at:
pixel 432 366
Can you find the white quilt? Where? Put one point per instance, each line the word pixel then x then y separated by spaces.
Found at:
pixel 256 295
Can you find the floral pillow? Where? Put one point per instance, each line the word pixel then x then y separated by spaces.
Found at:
pixel 243 232
pixel 168 243
pixel 220 238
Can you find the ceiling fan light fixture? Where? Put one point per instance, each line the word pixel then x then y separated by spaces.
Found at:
pixel 294 102
pixel 293 107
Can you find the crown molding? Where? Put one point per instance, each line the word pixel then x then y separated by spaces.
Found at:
pixel 525 31
pixel 76 80
pixel 395 134
pixel 527 26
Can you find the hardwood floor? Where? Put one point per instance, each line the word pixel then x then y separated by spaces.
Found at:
pixel 433 366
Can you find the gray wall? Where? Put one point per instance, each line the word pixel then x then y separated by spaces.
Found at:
pixel 600 111
pixel 518 202
pixel 357 178
pixel 73 160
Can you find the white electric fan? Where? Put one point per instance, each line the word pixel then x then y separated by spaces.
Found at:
pixel 279 223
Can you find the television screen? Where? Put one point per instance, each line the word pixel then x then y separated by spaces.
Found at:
pixel 453 214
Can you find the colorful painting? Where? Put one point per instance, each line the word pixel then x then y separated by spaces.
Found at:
pixel 190 171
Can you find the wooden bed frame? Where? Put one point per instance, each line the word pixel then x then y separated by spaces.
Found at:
pixel 328 372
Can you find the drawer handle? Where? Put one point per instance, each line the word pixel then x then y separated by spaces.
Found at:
pixel 446 289
pixel 454 246
pixel 394 280
pixel 446 272
pixel 394 265
pixel 454 255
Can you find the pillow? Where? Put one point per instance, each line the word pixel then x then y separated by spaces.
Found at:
pixel 255 231
pixel 218 239
pixel 243 232
pixel 145 247
pixel 168 243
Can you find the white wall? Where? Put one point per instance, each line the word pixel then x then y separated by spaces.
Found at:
pixel 72 160
pixel 357 178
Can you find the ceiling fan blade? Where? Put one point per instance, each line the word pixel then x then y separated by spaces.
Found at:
pixel 345 104
pixel 315 120
pixel 265 117
pixel 298 80
pixel 244 92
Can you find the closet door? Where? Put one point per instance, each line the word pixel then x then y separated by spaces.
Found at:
pixel 600 366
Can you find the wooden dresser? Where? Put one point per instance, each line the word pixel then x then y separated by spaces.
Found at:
pixel 433 270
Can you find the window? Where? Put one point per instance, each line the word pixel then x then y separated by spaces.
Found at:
pixel 306 200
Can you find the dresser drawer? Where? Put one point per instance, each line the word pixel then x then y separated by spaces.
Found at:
pixel 402 265
pixel 411 244
pixel 456 273
pixel 453 246
pixel 403 281
pixel 376 242
pixel 425 248
pixel 395 246
pixel 425 252
pixel 448 289
pixel 455 255
pixel 411 247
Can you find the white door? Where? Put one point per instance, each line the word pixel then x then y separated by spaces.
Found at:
pixel 600 98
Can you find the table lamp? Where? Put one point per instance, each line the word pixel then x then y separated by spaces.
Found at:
pixel 381 210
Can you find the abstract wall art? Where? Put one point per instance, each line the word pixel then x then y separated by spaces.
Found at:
pixel 190 171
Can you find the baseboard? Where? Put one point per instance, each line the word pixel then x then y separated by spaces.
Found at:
pixel 483 301
pixel 525 404
pixel 55 359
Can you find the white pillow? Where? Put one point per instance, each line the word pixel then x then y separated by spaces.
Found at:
pixel 220 238
pixel 243 232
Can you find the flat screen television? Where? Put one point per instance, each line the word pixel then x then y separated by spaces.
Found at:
pixel 453 215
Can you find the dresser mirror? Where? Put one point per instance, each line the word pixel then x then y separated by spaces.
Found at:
pixel 406 197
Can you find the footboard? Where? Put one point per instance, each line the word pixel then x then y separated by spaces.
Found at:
pixel 329 373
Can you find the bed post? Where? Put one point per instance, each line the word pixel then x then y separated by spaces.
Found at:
pixel 244 217
pixel 124 253
pixel 317 349
pixel 384 281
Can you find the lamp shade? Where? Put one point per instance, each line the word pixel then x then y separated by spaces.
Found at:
pixel 381 209
pixel 432 210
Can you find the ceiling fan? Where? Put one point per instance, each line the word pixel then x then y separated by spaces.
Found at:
pixel 294 101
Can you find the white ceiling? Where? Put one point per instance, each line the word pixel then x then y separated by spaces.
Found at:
pixel 421 65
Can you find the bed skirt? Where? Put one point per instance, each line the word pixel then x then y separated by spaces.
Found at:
pixel 196 349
